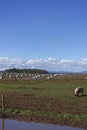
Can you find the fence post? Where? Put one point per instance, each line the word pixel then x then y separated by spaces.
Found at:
pixel 3 101
pixel 2 123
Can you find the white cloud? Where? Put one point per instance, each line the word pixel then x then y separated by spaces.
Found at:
pixel 50 64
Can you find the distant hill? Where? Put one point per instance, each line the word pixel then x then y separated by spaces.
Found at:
pixel 32 71
pixel 67 72
pixel 83 72
pixel 1 71
pixel 60 72
pixel 42 71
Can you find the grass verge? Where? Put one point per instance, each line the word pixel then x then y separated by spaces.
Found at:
pixel 13 112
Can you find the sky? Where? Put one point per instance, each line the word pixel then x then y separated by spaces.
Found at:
pixel 43 34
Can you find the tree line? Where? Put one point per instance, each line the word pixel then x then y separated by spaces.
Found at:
pixel 31 71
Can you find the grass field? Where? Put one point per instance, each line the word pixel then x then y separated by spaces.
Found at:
pixel 51 88
pixel 51 99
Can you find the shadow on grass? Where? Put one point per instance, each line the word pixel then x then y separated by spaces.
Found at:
pixel 84 95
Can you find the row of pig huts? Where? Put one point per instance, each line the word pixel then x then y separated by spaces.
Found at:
pixel 28 76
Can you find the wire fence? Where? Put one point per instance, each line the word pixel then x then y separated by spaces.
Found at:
pixel 24 101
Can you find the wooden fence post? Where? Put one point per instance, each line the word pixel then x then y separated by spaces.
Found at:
pixel 3 101
pixel 2 123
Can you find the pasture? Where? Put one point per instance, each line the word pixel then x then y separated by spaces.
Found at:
pixel 50 100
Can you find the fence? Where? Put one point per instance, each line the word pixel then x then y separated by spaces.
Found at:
pixel 24 101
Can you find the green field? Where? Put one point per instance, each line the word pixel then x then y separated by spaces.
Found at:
pixel 51 88
pixel 52 99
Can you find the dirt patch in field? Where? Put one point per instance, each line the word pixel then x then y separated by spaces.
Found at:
pixel 46 104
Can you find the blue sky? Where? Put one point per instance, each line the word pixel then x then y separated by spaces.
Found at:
pixel 48 34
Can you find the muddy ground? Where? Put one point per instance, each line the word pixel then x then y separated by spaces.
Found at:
pixel 47 104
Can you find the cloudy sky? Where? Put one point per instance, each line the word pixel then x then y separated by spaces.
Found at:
pixel 44 34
